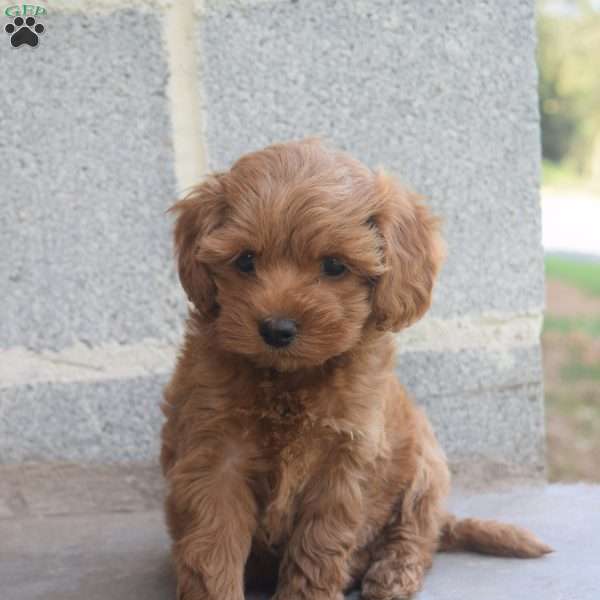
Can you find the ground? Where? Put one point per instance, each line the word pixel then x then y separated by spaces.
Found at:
pixel 97 533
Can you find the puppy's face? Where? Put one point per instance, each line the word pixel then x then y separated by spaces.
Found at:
pixel 297 249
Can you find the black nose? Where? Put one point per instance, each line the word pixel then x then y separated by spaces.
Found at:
pixel 277 332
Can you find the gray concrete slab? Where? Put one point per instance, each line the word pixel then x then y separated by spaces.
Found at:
pixel 125 555
pixel 109 557
pixel 432 374
pixel 119 420
pixel 492 427
pixel 64 489
pixel 112 420
pixel 565 517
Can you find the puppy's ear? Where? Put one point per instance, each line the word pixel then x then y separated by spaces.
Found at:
pixel 199 213
pixel 413 252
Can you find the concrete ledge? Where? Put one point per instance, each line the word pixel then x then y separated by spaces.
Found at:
pixel 32 491
pixel 117 549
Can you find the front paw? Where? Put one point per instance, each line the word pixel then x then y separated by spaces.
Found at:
pixel 392 579
pixel 191 586
pixel 304 593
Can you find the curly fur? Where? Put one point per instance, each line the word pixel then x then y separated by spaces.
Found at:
pixel 306 467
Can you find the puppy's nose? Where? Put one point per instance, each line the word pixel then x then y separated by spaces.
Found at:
pixel 277 332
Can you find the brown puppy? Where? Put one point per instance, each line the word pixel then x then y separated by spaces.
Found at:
pixel 292 453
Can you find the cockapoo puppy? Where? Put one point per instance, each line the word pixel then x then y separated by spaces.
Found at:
pixel 293 456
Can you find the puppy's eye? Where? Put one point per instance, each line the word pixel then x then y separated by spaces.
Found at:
pixel 245 262
pixel 332 267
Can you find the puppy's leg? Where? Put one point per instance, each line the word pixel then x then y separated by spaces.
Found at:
pixel 405 550
pixel 316 561
pixel 211 512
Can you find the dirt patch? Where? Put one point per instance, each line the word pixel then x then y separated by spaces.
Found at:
pixel 571 455
pixel 572 385
pixel 563 300
pixel 562 351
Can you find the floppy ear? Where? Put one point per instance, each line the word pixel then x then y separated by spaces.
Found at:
pixel 413 252
pixel 199 213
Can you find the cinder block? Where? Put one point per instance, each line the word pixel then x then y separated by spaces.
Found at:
pixel 432 374
pixel 441 93
pixel 108 421
pixel 88 173
pixel 495 429
pixel 119 421
pixel 486 408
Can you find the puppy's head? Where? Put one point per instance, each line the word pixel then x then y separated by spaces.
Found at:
pixel 298 250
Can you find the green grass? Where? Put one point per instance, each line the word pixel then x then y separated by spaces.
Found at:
pixel 583 275
pixel 572 371
pixel 567 325
pixel 557 175
pixel 577 371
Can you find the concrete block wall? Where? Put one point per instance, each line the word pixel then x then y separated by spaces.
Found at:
pixel 123 105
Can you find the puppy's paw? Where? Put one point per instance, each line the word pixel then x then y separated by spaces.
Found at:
pixel 191 589
pixel 392 579
pixel 307 594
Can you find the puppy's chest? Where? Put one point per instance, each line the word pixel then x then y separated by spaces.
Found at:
pixel 292 440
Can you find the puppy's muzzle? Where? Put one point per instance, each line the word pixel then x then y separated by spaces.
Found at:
pixel 278 332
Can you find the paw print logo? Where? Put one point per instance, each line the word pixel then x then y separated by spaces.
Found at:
pixel 24 31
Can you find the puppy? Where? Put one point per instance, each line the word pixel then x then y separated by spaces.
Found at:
pixel 293 456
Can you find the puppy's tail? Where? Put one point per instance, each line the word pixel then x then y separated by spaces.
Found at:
pixel 490 537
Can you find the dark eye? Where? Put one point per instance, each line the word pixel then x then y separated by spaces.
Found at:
pixel 245 262
pixel 332 267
